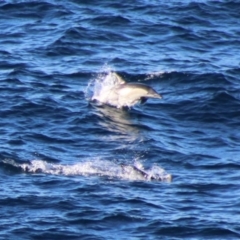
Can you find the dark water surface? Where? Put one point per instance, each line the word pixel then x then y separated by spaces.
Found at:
pixel 61 155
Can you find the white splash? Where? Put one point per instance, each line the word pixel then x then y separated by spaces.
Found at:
pixel 103 89
pixel 135 172
pixel 97 84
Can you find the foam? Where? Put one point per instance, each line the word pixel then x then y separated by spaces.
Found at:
pixel 96 168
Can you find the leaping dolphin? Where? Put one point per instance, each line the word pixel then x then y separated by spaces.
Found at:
pixel 123 94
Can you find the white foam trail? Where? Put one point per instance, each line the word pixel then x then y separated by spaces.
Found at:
pixel 97 168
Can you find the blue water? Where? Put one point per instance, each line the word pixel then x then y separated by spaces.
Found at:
pixel 61 154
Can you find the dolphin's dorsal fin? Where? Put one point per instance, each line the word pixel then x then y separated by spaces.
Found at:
pixel 117 78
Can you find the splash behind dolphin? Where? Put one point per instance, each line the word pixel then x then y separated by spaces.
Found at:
pixel 116 92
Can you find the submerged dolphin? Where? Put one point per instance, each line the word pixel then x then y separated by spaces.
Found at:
pixel 122 94
pixel 145 174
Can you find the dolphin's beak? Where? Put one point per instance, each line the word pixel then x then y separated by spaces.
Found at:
pixel 158 96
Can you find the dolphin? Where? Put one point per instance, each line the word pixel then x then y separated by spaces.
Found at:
pixel 145 174
pixel 123 94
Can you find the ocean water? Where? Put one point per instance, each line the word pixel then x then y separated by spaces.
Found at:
pixel 67 164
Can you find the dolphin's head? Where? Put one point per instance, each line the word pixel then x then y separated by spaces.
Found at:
pixel 152 93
